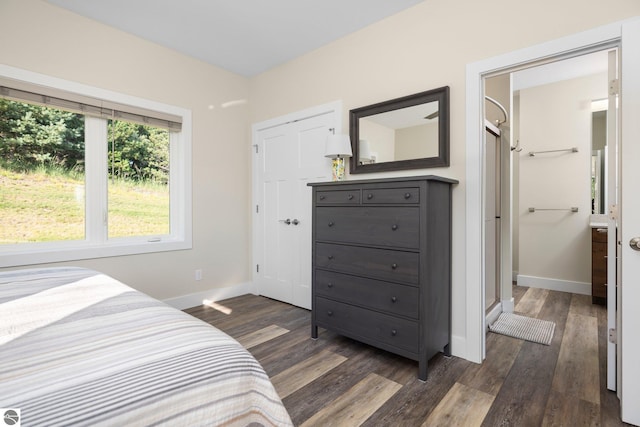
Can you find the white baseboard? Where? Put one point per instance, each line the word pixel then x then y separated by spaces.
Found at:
pixel 217 294
pixel 514 276
pixel 554 284
pixel 492 316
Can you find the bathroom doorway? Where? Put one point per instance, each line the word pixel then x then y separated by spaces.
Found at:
pixel 540 178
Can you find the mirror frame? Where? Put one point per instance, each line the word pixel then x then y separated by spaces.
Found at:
pixel 441 160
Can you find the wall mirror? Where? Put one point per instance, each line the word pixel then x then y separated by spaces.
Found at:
pixel 598 161
pixel 411 132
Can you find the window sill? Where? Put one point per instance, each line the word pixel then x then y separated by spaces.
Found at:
pixel 58 252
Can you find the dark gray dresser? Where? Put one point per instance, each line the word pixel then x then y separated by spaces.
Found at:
pixel 382 263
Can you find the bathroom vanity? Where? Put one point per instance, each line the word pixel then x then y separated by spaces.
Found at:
pixel 599 264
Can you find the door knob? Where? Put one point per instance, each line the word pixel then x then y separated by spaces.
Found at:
pixel 635 243
pixel 286 221
pixel 295 222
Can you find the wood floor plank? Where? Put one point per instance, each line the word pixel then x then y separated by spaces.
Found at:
pixel 310 399
pixel 525 396
pixel 489 376
pixel 463 406
pixel 581 304
pixel 517 292
pixel 531 302
pixel 577 372
pixel 522 400
pixel 566 410
pixel 260 336
pixel 303 373
pixel 357 404
pixel 417 399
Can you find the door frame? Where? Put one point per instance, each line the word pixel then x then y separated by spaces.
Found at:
pixel 565 47
pixel 334 108
pixel 594 39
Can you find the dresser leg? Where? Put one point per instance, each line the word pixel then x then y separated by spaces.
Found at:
pixel 422 371
pixel 447 350
pixel 314 332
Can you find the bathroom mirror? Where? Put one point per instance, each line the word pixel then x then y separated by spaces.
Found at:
pixel 598 161
pixel 411 132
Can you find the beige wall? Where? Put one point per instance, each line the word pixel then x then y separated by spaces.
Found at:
pixel 45 39
pixel 417 141
pixel 425 47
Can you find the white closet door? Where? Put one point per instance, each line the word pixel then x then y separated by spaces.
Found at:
pixel 288 157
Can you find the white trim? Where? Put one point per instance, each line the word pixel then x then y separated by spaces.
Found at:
pixel 475 320
pixel 493 315
pixel 217 294
pixel 582 288
pixel 331 107
pixel 628 283
pixel 181 185
pixel 508 306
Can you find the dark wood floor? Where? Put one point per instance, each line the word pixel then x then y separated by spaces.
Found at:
pixel 338 381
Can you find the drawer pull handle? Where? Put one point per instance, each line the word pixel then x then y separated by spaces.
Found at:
pixel 394 227
pixel 329 313
pixel 321 197
pixel 407 195
pixel 350 197
pixel 330 285
pixel 394 299
pixel 331 223
pixel 394 266
pixel 330 257
pixel 394 332
pixel 369 196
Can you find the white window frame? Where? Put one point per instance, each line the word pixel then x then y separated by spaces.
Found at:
pixel 96 244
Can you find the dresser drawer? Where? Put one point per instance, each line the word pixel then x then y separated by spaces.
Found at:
pixel 338 197
pixel 391 195
pixel 383 296
pixel 383 226
pixel 384 264
pixel 367 325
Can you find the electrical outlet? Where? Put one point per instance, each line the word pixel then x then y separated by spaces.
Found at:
pixel 198 274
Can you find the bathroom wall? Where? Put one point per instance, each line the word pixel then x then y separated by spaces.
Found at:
pixel 555 246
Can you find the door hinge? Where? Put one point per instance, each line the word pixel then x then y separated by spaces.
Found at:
pixel 612 336
pixel 614 87
pixel 256 147
pixel 613 212
pixel 257 268
pixel 257 209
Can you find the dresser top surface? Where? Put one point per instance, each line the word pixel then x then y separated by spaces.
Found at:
pixel 385 180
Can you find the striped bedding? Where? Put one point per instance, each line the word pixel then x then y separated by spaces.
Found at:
pixel 80 348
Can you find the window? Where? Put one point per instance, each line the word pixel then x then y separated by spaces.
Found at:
pixel 87 176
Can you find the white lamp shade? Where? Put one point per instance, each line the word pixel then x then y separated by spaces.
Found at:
pixel 338 146
pixel 365 150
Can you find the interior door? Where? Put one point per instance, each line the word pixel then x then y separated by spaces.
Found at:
pixel 289 156
pixel 629 298
pixel 613 221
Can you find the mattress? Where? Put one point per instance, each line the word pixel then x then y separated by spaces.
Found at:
pixel 78 347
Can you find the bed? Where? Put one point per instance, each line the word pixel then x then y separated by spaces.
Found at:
pixel 78 347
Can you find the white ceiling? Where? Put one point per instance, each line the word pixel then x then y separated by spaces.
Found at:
pixel 246 37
